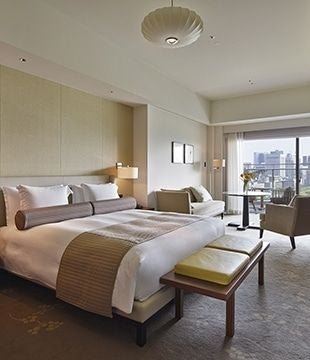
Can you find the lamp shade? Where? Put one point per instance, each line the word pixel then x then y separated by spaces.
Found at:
pixel 172 27
pixel 218 163
pixel 127 172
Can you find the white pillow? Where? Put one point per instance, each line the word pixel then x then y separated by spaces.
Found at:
pixel 12 203
pixel 77 194
pixel 93 192
pixel 201 193
pixel 38 196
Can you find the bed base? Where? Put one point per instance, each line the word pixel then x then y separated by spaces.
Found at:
pixel 145 312
pixel 141 328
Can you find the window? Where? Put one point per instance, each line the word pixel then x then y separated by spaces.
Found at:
pixel 304 170
pixel 278 162
pixel 273 161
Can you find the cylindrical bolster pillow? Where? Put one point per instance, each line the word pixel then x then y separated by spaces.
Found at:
pixel 25 219
pixel 108 206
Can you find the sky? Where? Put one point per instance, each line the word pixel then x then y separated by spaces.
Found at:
pixel 267 145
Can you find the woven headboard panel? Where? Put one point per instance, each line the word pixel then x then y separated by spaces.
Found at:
pixel 46 181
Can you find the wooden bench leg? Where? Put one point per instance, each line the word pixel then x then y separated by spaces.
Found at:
pixel 179 301
pixel 230 316
pixel 261 271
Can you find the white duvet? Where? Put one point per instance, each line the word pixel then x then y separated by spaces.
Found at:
pixel 36 253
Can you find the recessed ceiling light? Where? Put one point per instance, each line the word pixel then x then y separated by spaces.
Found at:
pixel 214 40
pixel 22 60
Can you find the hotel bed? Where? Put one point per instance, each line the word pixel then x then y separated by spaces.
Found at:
pixel 36 254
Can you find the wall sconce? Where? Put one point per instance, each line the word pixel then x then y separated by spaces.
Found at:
pixel 126 172
pixel 218 164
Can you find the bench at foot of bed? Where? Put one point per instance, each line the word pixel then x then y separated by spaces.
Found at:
pixel 211 288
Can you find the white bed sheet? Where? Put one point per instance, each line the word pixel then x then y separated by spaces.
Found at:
pixel 36 253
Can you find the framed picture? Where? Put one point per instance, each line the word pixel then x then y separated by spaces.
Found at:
pixel 177 152
pixel 188 154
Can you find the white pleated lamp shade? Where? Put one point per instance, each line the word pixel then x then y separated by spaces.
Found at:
pixel 172 27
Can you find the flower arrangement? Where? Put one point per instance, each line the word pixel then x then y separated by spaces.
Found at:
pixel 247 177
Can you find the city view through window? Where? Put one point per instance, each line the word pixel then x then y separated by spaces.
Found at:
pixel 274 163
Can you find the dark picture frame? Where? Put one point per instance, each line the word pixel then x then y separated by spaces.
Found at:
pixel 177 152
pixel 188 154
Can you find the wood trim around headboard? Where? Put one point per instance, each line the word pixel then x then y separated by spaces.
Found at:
pixel 46 181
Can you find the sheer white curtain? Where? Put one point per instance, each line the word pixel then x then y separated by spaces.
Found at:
pixel 234 168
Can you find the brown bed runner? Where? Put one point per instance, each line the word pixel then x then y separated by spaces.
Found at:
pixel 90 262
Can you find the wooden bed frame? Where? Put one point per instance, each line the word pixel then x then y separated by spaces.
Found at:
pixel 143 311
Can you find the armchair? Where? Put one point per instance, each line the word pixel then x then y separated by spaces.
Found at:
pixel 280 196
pixel 291 220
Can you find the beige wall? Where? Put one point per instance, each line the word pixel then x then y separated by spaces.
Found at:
pixel 268 125
pixel 155 129
pixel 140 153
pixel 215 150
pixel 281 104
pixel 50 129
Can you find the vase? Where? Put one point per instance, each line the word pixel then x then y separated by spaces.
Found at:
pixel 246 187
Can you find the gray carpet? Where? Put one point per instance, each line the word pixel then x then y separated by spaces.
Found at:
pixel 271 322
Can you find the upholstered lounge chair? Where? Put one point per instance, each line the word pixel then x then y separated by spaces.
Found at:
pixel 291 220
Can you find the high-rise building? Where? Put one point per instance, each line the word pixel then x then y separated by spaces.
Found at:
pixel 275 160
pixel 289 167
pixel 306 172
pixel 305 160
pixel 259 158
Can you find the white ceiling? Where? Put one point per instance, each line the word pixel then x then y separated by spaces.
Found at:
pixel 266 41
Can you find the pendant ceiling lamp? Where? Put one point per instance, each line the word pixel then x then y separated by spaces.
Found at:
pixel 172 27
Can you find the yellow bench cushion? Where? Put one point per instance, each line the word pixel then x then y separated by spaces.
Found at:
pixel 234 243
pixel 213 265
